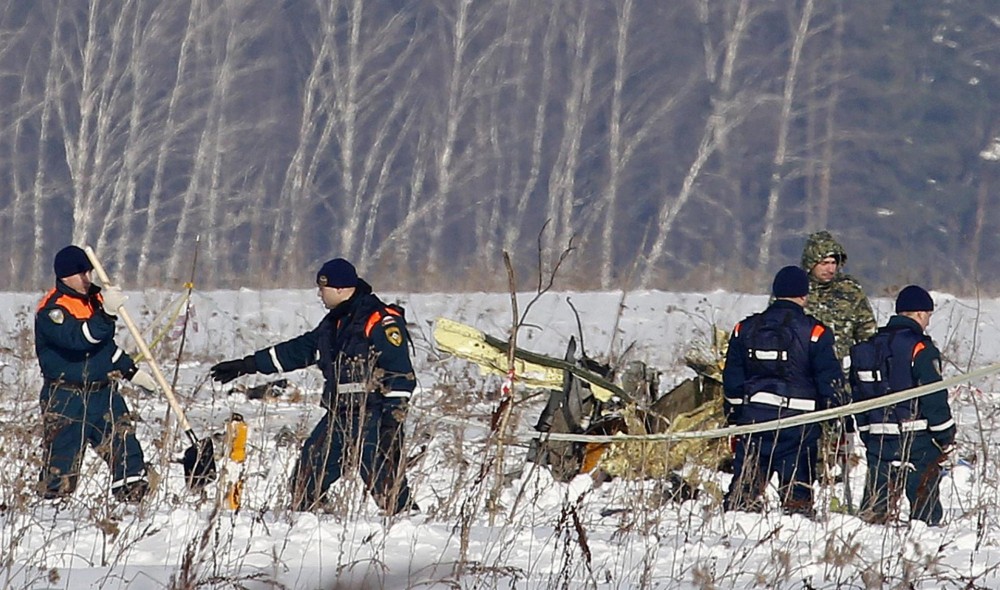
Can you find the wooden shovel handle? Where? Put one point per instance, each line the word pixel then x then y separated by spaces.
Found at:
pixel 137 335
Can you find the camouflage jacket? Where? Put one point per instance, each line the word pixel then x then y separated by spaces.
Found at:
pixel 841 304
pixel 843 307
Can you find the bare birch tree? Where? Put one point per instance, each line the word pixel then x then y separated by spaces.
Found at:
pixel 526 187
pixel 350 108
pixel 784 122
pixel 634 121
pixel 725 115
pixel 172 120
pixel 562 197
pixel 825 181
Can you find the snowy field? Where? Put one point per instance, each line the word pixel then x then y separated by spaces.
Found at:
pixel 541 533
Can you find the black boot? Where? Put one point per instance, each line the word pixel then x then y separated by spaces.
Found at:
pixel 132 492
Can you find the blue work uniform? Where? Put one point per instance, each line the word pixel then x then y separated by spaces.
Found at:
pixel 780 363
pixel 362 348
pixel 80 403
pixel 905 442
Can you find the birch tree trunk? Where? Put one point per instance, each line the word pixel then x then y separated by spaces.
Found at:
pixel 830 122
pixel 513 228
pixel 562 180
pixel 781 151
pixel 177 90
pixel 726 114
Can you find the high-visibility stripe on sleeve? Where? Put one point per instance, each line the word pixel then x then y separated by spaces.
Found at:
pixel 376 317
pixel 398 393
pixel 816 333
pixel 736 329
pixel 86 334
pixel 117 355
pixel 274 359
pixel 918 349
pixel 943 426
pixel 372 320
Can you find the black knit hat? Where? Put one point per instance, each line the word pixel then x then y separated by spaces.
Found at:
pixel 70 261
pixel 914 298
pixel 790 281
pixel 337 273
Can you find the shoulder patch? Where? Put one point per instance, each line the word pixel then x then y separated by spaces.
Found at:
pixel 394 336
pixel 57 316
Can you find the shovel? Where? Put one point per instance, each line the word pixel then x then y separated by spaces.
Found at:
pixel 199 458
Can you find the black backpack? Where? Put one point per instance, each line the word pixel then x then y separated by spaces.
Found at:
pixel 874 373
pixel 769 346
pixel 871 368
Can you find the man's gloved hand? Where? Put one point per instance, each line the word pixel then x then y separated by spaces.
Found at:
pixel 946 447
pixel 226 371
pixel 845 447
pixel 113 298
pixel 144 380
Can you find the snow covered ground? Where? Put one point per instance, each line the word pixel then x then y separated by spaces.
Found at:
pixel 543 534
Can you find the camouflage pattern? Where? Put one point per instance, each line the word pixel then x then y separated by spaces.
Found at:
pixel 840 304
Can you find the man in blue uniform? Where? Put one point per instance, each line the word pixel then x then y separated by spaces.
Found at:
pixel 907 441
pixel 361 347
pixel 74 342
pixel 780 363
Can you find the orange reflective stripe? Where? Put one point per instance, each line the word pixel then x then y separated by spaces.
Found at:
pixel 917 349
pixel 372 320
pixel 76 307
pixel 45 300
pixel 817 332
pixel 376 317
pixel 736 329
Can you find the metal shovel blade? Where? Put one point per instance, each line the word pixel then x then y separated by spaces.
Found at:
pixel 199 464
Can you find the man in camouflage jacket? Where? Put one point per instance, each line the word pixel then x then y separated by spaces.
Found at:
pixel 835 298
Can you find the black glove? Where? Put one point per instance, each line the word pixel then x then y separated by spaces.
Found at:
pixel 226 371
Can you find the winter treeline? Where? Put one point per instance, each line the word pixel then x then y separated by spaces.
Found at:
pixel 681 144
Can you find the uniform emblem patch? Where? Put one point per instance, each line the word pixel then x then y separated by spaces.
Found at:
pixel 394 336
pixel 57 317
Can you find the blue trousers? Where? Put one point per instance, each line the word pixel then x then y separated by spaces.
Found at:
pixel 73 418
pixel 924 481
pixel 920 477
pixel 370 436
pixel 883 480
pixel 790 453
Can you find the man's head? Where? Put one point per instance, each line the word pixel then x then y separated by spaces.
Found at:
pixel 916 303
pixel 337 280
pixel 824 270
pixel 823 256
pixel 792 283
pixel 72 267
